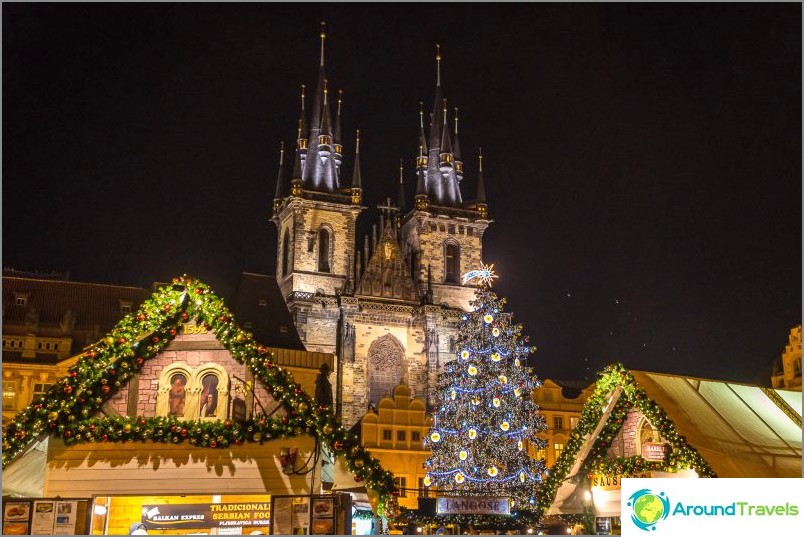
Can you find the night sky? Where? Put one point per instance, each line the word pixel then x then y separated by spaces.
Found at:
pixel 642 162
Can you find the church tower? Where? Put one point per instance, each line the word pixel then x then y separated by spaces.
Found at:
pixel 315 209
pixel 442 235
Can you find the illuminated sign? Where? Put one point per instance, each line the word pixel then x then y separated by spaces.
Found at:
pixel 209 515
pixel 476 506
pixel 611 482
pixel 653 451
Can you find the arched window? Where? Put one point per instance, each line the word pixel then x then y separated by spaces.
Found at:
pixel 386 367
pixel 286 254
pixel 451 263
pixel 323 250
pixel 174 396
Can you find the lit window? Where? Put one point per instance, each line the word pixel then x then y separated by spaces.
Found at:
pixel 10 389
pixel 386 434
pixel 423 491
pixel 40 390
pixel 573 422
pixel 558 448
pixel 401 483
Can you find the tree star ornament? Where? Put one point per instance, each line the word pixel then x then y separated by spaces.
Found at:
pixel 485 274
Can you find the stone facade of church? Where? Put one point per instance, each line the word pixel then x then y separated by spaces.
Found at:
pixel 389 311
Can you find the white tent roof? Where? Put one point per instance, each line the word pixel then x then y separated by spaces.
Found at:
pixel 741 430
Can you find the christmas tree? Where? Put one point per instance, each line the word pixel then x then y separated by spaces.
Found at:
pixel 485 416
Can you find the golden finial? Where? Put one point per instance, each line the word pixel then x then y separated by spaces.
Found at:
pixel 421 114
pixel 281 152
pixel 445 112
pixel 299 135
pixel 323 37
pixel 340 100
pixel 456 121
pixel 302 96
pixel 325 91
pixel 438 64
pixel 357 143
pixel 401 168
pixel 480 157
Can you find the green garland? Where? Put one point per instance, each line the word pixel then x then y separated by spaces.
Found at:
pixel 68 409
pixel 515 521
pixel 680 455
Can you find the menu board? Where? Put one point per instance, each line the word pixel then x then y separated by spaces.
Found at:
pixel 16 518
pixel 66 517
pixel 282 516
pixel 43 518
pixel 323 516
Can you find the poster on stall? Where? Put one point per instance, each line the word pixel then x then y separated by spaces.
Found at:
pixel 283 516
pixel 301 516
pixel 15 518
pixel 66 517
pixel 323 513
pixel 44 517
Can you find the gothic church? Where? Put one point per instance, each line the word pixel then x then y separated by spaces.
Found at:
pixel 390 311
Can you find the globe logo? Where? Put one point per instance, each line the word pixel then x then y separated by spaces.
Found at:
pixel 648 508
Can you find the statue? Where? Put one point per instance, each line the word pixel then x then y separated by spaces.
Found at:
pixel 323 389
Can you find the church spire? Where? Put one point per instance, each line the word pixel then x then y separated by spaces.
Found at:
pixel 401 194
pixel 337 132
pixel 319 93
pixel 435 119
pixel 302 120
pixel 446 144
pixel 456 150
pixel 357 183
pixel 280 178
pixel 325 137
pixel 480 199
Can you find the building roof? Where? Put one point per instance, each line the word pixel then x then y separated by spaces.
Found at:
pixel 259 307
pixel 95 307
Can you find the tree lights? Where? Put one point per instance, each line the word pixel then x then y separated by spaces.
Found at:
pixel 485 412
pixel 71 408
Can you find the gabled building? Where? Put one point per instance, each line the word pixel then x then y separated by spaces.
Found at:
pixel 787 368
pixel 388 311
pixel 47 320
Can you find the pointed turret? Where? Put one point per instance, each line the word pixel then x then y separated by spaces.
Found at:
pixel 357 183
pixel 280 178
pixel 422 138
pixel 298 165
pixel 421 200
pixel 301 139
pixel 446 145
pixel 336 135
pixel 482 208
pixel 456 150
pixel 325 136
pixel 400 199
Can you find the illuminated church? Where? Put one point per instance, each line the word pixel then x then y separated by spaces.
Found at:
pixel 387 308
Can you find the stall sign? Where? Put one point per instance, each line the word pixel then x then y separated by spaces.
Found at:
pixel 469 505
pixel 209 515
pixel 612 482
pixel 654 451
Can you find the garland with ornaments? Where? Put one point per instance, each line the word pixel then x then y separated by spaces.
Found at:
pixel 680 455
pixel 70 409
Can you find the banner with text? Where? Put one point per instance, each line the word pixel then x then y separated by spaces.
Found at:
pixel 734 506
pixel 210 515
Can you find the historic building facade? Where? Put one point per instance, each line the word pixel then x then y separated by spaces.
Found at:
pixel 787 368
pixel 388 311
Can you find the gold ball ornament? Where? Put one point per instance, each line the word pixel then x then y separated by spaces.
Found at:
pixel 459 478
pixel 472 433
pixel 427 481
pixel 127 428
pixel 453 395
pixel 505 426
pixel 475 400
pixel 503 379
pixel 464 354
pixel 435 437
pixel 522 476
pixel 472 370
pixel 495 357
pixel 493 471
pixel 495 331
pixel 496 402
pixel 488 318
pixel 462 455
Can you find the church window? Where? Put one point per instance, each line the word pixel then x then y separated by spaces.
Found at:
pixel 323 250
pixel 452 263
pixel 470 231
pixel 385 367
pixel 285 254
pixel 451 230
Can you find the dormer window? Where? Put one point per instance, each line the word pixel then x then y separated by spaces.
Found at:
pixel 20 299
pixel 125 306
